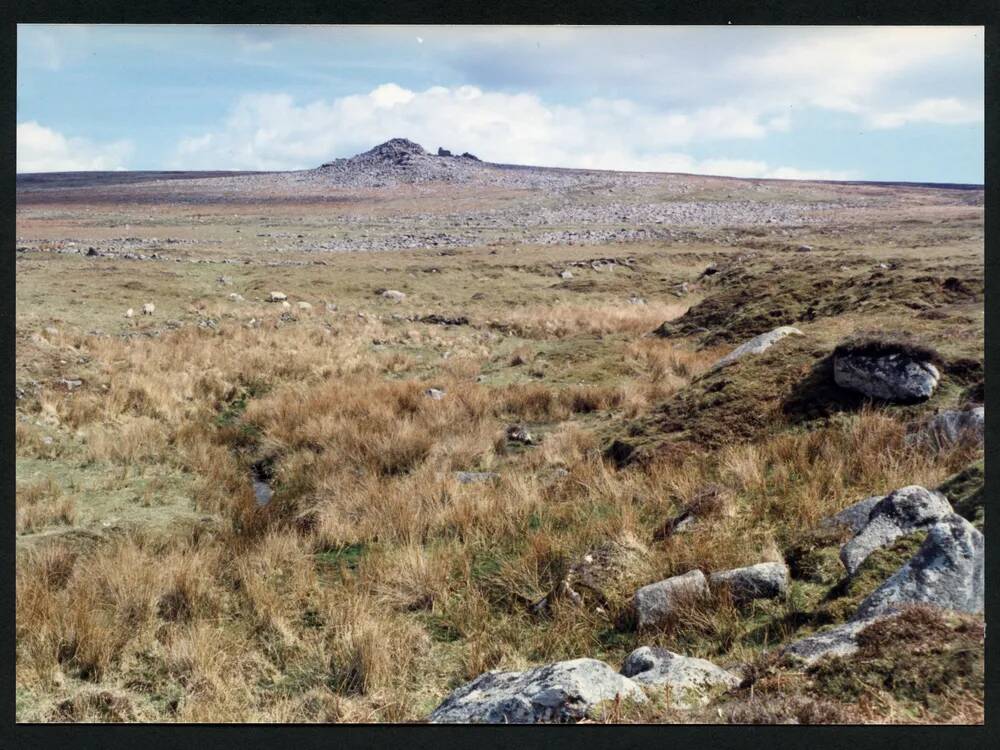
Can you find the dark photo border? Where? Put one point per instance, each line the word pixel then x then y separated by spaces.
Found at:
pixel 771 12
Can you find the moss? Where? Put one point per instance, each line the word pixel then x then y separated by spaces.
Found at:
pixel 873 572
pixel 921 657
pixel 815 555
pixel 967 493
pixel 347 555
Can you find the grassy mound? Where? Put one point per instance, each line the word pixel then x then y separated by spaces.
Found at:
pixel 752 302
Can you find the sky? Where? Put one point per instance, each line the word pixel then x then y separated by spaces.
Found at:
pixel 868 103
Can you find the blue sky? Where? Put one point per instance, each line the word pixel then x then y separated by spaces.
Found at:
pixel 876 103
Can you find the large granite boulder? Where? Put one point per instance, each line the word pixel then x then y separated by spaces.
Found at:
pixel 555 693
pixel 853 517
pixel 692 682
pixel 657 602
pixel 757 345
pixel 904 511
pixel 947 571
pixel 889 377
pixel 762 581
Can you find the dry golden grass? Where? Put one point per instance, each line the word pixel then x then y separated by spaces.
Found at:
pixel 42 504
pixel 375 582
pixel 566 319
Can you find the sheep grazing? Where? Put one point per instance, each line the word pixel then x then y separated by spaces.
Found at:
pixel 148 309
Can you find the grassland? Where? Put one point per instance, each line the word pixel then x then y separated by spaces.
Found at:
pixel 152 587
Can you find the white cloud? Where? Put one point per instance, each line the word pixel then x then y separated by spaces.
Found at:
pixel 874 72
pixel 949 111
pixel 41 149
pixel 272 131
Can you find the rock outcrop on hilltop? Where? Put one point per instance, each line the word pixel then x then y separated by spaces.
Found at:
pixel 400 160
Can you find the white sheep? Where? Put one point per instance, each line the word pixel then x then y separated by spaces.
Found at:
pixel 148 309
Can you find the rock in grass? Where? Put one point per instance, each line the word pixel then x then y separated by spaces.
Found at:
pixel 589 577
pixel 839 641
pixel 517 433
pixel 854 517
pixel 392 294
pixel 767 580
pixel 470 477
pixel 692 681
pixel 757 345
pixel 947 571
pixel 886 368
pixel 904 511
pixel 892 378
pixel 657 602
pixel 555 693
pixel 953 426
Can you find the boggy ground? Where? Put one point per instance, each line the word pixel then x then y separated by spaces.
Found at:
pixel 152 587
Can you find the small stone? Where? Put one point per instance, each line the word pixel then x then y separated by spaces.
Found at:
pixel 519 434
pixel 757 345
pixel 767 580
pixel 471 477
pixel 953 426
pixel 657 602
pixel 305 306
pixel 392 294
pixel 566 275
